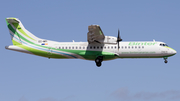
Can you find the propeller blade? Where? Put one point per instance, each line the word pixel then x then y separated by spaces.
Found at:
pixel 118 33
pixel 118 39
pixel 118 45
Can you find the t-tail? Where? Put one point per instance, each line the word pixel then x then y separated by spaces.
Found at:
pixel 19 35
pixel 22 39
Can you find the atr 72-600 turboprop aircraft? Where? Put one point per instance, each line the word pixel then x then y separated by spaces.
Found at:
pixel 98 48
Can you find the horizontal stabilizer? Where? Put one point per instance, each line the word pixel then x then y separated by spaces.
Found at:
pixel 12 20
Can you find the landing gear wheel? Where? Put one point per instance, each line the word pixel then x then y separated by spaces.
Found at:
pixel 165 61
pixel 98 61
pixel 98 64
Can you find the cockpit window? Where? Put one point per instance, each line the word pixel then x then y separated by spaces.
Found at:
pixel 162 44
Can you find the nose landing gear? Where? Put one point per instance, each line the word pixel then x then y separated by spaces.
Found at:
pixel 165 60
pixel 98 60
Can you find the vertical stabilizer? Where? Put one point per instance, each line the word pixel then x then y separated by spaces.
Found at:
pixel 19 34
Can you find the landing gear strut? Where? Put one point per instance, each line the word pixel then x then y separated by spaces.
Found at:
pixel 165 60
pixel 98 60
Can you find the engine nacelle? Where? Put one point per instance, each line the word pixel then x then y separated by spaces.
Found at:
pixel 109 40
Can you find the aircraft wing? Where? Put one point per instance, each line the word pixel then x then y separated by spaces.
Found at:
pixel 95 34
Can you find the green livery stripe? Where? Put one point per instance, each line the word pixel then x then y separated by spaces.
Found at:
pixel 16 33
pixel 88 52
pixel 44 52
pixel 16 25
pixel 22 38
pixel 40 52
pixel 169 48
pixel 91 55
pixel 15 42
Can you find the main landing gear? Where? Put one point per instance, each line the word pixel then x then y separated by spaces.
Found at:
pixel 99 60
pixel 165 60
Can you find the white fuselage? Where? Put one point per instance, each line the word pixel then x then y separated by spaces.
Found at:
pixel 139 49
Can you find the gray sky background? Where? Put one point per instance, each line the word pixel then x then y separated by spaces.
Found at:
pixel 25 77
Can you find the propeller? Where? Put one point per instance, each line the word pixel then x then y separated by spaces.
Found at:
pixel 118 39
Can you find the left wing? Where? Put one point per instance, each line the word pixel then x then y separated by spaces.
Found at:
pixel 95 34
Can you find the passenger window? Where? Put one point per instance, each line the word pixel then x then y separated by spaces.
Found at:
pixel 142 46
pixel 83 47
pixel 59 47
pixel 90 47
pixel 108 47
pixel 122 47
pixel 94 47
pixel 104 47
pixel 72 47
pixel 132 47
pixel 44 40
pixel 40 41
pixel 125 47
pixel 129 47
pixel 79 47
pixel 111 47
pixel 139 46
pixel 114 47
pixel 66 47
pixel 76 47
pixel 62 47
pixel 69 47
pixel 135 46
pixel 101 47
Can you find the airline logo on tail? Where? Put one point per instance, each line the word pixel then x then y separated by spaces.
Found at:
pixel 19 34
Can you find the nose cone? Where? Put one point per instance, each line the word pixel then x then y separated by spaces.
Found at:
pixel 171 51
pixel 174 52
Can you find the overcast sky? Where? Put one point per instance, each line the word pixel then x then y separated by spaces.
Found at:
pixel 25 77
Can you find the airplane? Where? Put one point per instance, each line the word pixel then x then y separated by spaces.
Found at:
pixel 98 47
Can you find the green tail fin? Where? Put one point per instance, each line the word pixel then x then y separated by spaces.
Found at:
pixel 19 34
